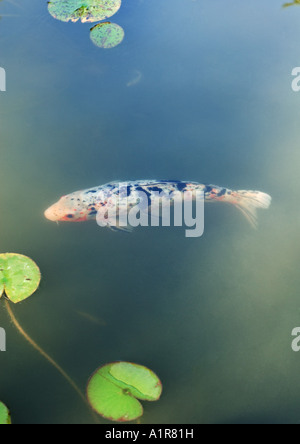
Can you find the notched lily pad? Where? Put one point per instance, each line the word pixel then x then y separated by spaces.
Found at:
pixel 107 35
pixel 114 389
pixel 4 414
pixel 84 10
pixel 19 277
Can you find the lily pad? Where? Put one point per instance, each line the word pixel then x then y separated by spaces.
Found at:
pixel 19 277
pixel 84 10
pixel 107 35
pixel 114 389
pixel 4 415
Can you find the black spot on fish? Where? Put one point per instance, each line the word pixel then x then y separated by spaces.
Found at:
pixel 91 192
pixel 70 216
pixel 93 213
pixel 181 186
pixel 155 189
pixel 208 189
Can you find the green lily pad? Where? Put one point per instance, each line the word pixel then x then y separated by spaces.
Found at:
pixel 19 277
pixel 107 35
pixel 4 414
pixel 84 10
pixel 114 389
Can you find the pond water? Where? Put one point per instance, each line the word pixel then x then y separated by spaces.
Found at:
pixel 197 90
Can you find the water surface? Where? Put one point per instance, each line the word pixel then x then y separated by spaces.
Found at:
pixel 213 103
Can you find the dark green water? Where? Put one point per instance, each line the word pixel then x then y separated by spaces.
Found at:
pixel 211 316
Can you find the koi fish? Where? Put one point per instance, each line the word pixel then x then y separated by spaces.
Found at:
pixel 85 205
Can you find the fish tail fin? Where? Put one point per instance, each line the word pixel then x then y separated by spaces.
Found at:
pixel 248 202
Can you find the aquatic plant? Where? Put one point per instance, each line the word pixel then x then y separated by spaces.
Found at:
pixel 114 390
pixel 4 414
pixel 107 35
pixel 19 279
pixel 84 10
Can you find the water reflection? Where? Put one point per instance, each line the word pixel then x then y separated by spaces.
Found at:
pixel 104 35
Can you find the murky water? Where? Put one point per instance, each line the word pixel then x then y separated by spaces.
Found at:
pixel 198 90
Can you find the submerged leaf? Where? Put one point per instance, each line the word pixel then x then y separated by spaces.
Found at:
pixel 19 276
pixel 84 10
pixel 4 414
pixel 113 389
pixel 107 35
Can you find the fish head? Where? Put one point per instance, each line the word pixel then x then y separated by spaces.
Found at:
pixel 70 208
